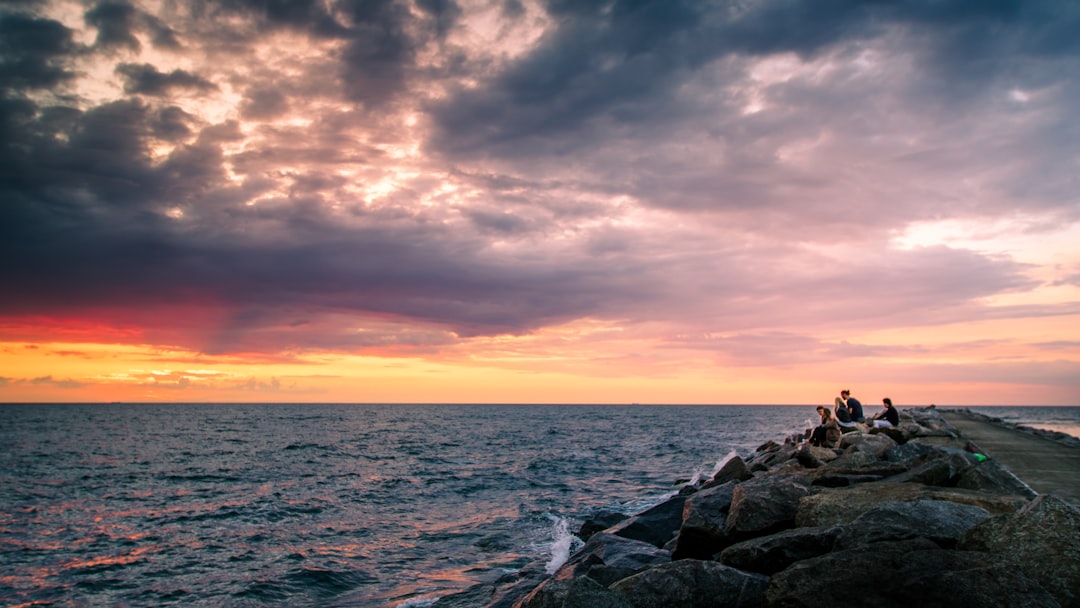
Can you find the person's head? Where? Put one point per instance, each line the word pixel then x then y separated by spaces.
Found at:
pixel 822 410
pixel 887 402
pixel 845 393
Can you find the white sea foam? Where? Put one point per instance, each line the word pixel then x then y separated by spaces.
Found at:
pixel 699 474
pixel 563 543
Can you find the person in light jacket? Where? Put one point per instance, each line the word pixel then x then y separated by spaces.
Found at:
pixel 826 434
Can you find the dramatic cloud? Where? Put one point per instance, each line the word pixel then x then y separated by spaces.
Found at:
pixel 729 183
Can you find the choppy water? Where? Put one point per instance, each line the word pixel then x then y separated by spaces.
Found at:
pixel 339 505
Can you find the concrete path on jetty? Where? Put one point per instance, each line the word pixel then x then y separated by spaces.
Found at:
pixel 1046 466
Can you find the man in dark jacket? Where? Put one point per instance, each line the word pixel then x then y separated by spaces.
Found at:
pixel 887 417
pixel 853 405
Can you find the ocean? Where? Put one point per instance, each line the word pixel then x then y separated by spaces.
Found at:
pixel 338 505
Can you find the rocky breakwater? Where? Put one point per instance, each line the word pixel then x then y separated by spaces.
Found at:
pixel 906 516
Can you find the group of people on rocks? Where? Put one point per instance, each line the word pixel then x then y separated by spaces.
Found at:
pixel 846 416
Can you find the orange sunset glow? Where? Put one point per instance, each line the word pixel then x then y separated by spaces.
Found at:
pixel 538 202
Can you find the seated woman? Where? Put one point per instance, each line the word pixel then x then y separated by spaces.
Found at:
pixel 843 416
pixel 887 417
pixel 826 434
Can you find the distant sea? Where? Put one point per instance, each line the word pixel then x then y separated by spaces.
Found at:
pixel 338 505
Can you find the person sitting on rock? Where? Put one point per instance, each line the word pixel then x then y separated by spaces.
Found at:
pixel 843 417
pixel 887 417
pixel 826 434
pixel 854 406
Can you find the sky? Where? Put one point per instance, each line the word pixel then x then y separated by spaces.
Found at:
pixel 540 201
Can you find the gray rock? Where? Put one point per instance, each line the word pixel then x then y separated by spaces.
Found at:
pixel 656 525
pixel 862 463
pixel 773 457
pixel 773 553
pixel 898 434
pixel 586 593
pixel 812 457
pixel 843 480
pixel 831 506
pixel 942 471
pixel 764 505
pixel 931 424
pixel 704 515
pixel 990 476
pixel 865 442
pixel 733 470
pixel 607 558
pixel 910 451
pixel 1042 540
pixel 768 446
pixel 582 592
pixel 905 573
pixel 691 583
pixel 941 521
pixel 601 520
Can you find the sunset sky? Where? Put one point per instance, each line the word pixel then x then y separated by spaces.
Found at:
pixel 737 201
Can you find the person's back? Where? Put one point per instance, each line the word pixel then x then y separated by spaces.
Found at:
pixel 855 409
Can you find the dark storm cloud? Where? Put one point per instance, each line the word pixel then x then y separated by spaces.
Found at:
pixel 139 203
pixel 30 50
pixel 378 53
pixel 145 79
pixel 306 15
pixel 623 60
pixel 116 23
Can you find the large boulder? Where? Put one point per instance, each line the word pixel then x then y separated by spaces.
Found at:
pixel 765 505
pixel 598 521
pixel 607 558
pixel 692 583
pixel 1042 540
pixel 656 525
pixel 905 573
pixel 771 554
pixel 582 592
pixel 900 434
pixel 831 506
pixel 862 463
pixel 941 471
pixel 734 469
pixel 910 451
pixel 842 480
pixel 866 442
pixel 990 476
pixel 812 457
pixel 772 456
pixel 931 424
pixel 704 515
pixel 941 521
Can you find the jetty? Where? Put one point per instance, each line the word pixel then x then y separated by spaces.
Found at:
pixel 1048 463
pixel 950 508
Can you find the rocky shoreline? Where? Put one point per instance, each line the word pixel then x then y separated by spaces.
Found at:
pixel 906 516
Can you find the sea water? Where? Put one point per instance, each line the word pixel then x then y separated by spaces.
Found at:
pixel 330 505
